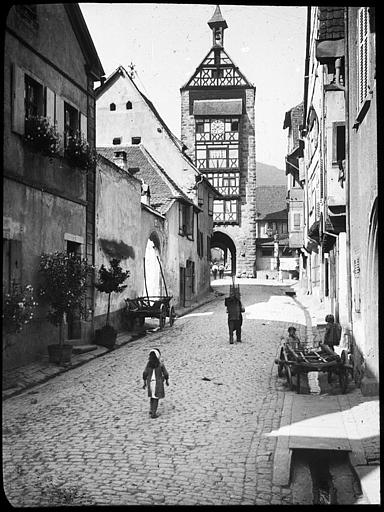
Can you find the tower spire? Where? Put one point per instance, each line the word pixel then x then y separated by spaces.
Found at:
pixel 218 24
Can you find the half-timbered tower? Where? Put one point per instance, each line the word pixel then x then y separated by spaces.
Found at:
pixel 217 126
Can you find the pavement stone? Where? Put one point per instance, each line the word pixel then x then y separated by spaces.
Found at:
pixel 210 444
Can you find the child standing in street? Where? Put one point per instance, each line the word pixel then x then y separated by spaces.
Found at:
pixel 332 334
pixel 154 375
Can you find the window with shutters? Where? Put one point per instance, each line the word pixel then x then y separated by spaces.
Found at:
pixel 71 122
pixel 338 146
pixel 296 221
pixel 363 55
pixel 186 220
pixel 34 98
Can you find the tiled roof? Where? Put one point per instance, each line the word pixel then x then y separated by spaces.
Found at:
pixel 331 23
pixel 271 203
pixel 162 188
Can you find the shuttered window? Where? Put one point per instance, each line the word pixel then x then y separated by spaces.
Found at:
pixel 363 64
pixel 356 275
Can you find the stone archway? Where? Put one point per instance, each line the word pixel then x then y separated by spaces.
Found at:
pixel 222 241
pixel 153 285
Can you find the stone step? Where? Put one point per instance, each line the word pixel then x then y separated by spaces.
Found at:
pixel 82 349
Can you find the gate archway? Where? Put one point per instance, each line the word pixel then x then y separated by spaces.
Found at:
pixel 224 242
pixel 153 284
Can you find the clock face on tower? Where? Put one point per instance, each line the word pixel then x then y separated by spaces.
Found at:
pixel 217 127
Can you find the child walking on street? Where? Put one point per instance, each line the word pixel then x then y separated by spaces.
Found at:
pixel 235 318
pixel 154 375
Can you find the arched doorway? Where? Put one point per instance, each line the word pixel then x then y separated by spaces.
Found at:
pixel 153 283
pixel 225 248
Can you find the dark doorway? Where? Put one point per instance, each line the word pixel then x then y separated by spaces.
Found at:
pixel 182 286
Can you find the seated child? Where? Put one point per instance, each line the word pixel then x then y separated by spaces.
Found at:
pixel 293 340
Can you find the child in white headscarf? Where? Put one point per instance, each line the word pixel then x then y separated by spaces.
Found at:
pixel 154 375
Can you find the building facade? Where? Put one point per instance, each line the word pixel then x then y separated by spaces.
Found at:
pixel 50 65
pixel 125 116
pixel 295 191
pixel 218 130
pixel 339 170
pixel 362 194
pixel 323 133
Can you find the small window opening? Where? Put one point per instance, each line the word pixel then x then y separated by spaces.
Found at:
pixel 129 105
pixel 234 126
pixel 340 143
pixel 116 141
pixel 136 140
pixel 112 106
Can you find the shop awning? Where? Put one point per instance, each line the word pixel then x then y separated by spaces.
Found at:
pixel 218 107
pixel 313 231
pixel 335 219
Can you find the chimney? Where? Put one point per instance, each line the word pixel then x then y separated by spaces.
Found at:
pixel 120 159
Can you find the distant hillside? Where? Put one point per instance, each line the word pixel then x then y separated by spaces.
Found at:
pixel 269 175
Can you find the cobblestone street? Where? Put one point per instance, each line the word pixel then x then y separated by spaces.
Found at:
pixel 86 437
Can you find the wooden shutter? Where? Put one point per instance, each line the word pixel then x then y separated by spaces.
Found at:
pixel 18 106
pixel 84 125
pixel 50 105
pixel 356 272
pixel 60 121
pixel 363 53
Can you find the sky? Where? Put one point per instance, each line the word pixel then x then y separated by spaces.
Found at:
pixel 167 42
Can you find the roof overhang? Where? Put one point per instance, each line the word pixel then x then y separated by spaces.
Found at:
pixel 227 107
pixel 335 219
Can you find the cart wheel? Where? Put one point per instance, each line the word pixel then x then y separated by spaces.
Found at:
pixel 172 316
pixel 162 317
pixel 289 376
pixel 280 366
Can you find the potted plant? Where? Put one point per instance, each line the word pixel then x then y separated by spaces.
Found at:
pixel 41 135
pixel 18 311
pixel 110 281
pixel 79 153
pixel 64 289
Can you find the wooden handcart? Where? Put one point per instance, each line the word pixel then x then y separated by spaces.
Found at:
pixel 158 306
pixel 294 362
pixel 150 307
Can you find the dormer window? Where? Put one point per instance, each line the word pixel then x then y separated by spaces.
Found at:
pixel 128 105
pixel 112 106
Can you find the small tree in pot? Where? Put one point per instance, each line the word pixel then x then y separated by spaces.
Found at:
pixel 110 281
pixel 64 289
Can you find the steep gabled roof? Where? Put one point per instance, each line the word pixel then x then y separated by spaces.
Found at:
pixel 85 40
pixel 164 191
pixel 231 74
pixel 271 203
pixel 121 71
